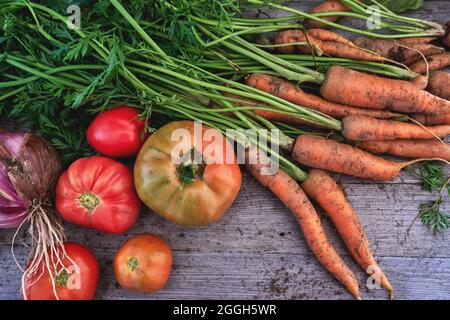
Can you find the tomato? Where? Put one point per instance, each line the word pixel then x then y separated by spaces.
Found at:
pixel 143 263
pixel 77 280
pixel 117 132
pixel 98 192
pixel 189 192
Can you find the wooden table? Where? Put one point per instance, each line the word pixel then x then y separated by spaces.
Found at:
pixel 256 251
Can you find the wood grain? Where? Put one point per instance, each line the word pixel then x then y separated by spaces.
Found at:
pixel 256 250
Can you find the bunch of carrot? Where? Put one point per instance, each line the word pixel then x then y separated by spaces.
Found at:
pixel 369 107
pixel 378 116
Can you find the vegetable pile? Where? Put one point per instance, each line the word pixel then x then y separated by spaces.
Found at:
pixel 329 103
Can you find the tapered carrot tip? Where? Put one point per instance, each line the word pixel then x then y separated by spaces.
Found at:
pixel 391 294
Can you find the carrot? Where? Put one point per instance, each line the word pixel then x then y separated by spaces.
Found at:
pixel 421 82
pixel 408 148
pixel 269 115
pixel 321 153
pixel 434 62
pixel 290 92
pixel 320 187
pixel 411 53
pixel 326 35
pixel 432 119
pixel 290 193
pixel 360 128
pixel 379 46
pixel 327 6
pixel 282 117
pixel 359 89
pixel 439 84
pixel 332 48
pixel 401 51
pixel 412 40
pixel 446 39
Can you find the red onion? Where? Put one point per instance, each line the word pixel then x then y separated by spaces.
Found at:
pixel 13 208
pixel 29 170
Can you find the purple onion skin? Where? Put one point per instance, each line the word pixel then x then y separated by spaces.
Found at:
pixel 13 208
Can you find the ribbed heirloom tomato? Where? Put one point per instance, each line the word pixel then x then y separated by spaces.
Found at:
pixel 98 192
pixel 76 280
pixel 117 132
pixel 188 176
pixel 143 263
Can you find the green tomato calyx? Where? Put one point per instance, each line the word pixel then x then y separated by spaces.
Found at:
pixel 132 263
pixel 88 201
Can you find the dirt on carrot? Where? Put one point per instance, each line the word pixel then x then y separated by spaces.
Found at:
pixel 321 153
pixel 292 93
pixel 323 189
pixel 416 149
pixel 291 195
pixel 439 84
pixel 434 62
pixel 339 47
pixel 432 119
pixel 359 128
pixel 363 90
pixel 403 51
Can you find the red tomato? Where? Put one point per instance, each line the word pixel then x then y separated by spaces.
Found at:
pixel 143 263
pixel 98 192
pixel 77 280
pixel 117 132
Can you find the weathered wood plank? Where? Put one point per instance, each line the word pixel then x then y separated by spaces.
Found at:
pixel 234 275
pixel 257 251
pixel 259 236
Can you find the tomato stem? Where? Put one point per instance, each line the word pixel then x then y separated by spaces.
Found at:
pixel 132 263
pixel 62 277
pixel 190 172
pixel 88 201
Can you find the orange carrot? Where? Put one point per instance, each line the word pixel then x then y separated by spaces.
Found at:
pixel 327 6
pixel 359 89
pixel 360 128
pixel 290 92
pixel 269 115
pixel 434 62
pixel 282 117
pixel 290 193
pixel 421 82
pixel 408 148
pixel 332 48
pixel 404 51
pixel 326 35
pixel 432 119
pixel 321 153
pixel 411 53
pixel 323 189
pixel 412 40
pixel 439 84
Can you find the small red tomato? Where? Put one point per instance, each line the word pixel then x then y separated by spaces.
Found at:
pixel 77 280
pixel 98 192
pixel 117 132
pixel 143 263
